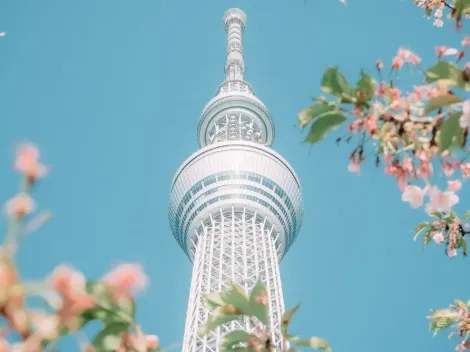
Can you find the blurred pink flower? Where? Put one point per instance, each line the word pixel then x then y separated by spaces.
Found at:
pixel 466 41
pixel 413 195
pixel 262 298
pixel 19 206
pixel 441 201
pixel 126 278
pixel 438 237
pixel 27 162
pixel 464 120
pixel 66 279
pixel 455 185
pixel 152 341
pixel 354 166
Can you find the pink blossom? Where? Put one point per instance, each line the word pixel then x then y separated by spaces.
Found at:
pixel 4 345
pixel 438 237
pixel 438 22
pixel 448 169
pixel 262 298
pixel 441 201
pixel 126 278
pixel 66 279
pixel 379 64
pixel 397 63
pixel 466 41
pixel 26 162
pixel 407 165
pixel 425 170
pixel 465 168
pixel 408 56
pixel 152 341
pixel 452 253
pixel 444 51
pixel 354 167
pixel 19 206
pixel 454 186
pixel 465 118
pixel 413 195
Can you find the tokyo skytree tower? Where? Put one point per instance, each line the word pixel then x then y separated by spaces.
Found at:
pixel 235 204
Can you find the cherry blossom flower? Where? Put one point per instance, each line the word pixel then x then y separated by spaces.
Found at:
pixel 441 201
pixel 8 278
pixel 262 298
pixel 438 237
pixel 379 64
pixel 47 327
pixel 19 206
pixel 465 168
pixel 455 185
pixel 354 167
pixel 466 41
pixel 152 341
pixel 27 162
pixel 465 118
pixel 413 195
pixel 438 22
pixel 444 51
pixel 125 279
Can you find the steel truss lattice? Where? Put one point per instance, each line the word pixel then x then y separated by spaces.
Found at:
pixel 234 245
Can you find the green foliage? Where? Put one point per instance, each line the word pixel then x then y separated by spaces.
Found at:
pixel 334 83
pixel 441 101
pixel 420 227
pixel 324 124
pixel 232 304
pixel 234 338
pixel 259 310
pixel 314 110
pixel 462 7
pixel 442 319
pixel 109 339
pixel 287 318
pixel 446 72
pixel 451 133
pixel 365 87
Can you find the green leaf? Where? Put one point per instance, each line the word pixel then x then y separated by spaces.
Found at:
pixel 213 300
pixel 451 132
pixel 259 310
pixel 462 7
pixel 420 228
pixel 216 321
pixel 287 319
pixel 234 338
pixel 437 215
pixel 466 215
pixel 444 71
pixel 442 319
pixel 366 87
pixel 441 101
pixel 308 114
pixel 109 339
pixel 315 343
pixel 333 82
pixel 236 296
pixel 427 237
pixel 324 124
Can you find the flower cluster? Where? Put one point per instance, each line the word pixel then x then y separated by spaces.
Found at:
pixel 72 300
pixel 456 316
pixel 435 8
pixel 416 135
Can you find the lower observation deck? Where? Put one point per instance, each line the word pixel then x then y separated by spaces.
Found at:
pixel 235 176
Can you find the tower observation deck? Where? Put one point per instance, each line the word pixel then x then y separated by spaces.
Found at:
pixel 235 205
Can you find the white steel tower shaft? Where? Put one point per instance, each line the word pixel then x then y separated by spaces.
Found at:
pixel 235 205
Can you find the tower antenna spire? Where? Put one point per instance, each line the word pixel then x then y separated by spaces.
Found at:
pixel 235 21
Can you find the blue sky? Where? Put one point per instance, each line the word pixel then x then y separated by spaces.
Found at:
pixel 111 91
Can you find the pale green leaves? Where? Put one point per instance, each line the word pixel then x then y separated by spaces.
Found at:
pixel 313 111
pixel 442 319
pixel 447 73
pixel 466 215
pixel 324 124
pixel 365 87
pixel 441 101
pixel 287 318
pixel 234 339
pixel 233 303
pixel 462 7
pixel 315 343
pixel 109 339
pixel 451 134
pixel 334 83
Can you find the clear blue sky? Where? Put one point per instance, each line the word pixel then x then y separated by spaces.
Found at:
pixel 111 91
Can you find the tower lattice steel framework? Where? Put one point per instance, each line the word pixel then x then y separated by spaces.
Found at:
pixel 235 205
